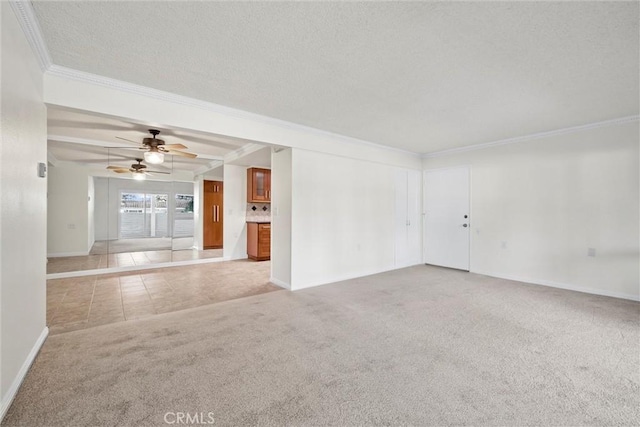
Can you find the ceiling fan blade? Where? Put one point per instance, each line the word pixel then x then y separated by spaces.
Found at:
pixel 116 168
pixel 175 147
pixel 125 139
pixel 181 153
pixel 121 170
pixel 129 148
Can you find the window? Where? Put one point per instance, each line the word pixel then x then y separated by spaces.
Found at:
pixel 143 215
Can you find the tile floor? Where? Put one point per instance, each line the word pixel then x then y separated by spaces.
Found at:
pixel 85 302
pixel 126 259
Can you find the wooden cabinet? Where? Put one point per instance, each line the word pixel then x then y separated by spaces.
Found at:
pixel 213 214
pixel 259 241
pixel 258 185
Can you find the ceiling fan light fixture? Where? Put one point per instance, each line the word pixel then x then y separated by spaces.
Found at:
pixel 138 176
pixel 154 157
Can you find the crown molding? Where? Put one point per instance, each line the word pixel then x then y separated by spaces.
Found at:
pixel 29 23
pixel 206 168
pixel 84 77
pixel 243 151
pixel 539 135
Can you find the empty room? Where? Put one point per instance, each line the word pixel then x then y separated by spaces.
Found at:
pixel 319 213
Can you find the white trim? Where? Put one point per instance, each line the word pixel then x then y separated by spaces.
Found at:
pixel 98 271
pixel 31 29
pixel 280 283
pixel 8 397
pixel 539 135
pixel 552 284
pixel 81 76
pixel 53 160
pixel 243 151
pixel 65 254
pixel 206 168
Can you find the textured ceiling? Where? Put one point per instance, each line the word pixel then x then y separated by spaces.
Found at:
pixel 421 76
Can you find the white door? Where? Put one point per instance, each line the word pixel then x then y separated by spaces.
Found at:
pixel 407 218
pixel 447 217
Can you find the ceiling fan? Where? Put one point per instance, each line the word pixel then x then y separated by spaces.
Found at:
pixel 138 170
pixel 156 148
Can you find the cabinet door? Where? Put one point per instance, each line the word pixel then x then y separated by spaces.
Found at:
pixel 213 215
pixel 264 240
pixel 252 240
pixel 258 185
pixel 267 177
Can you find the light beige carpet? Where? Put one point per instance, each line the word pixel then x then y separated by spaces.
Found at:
pixel 419 346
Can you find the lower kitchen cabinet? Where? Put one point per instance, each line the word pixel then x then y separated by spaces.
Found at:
pixel 259 241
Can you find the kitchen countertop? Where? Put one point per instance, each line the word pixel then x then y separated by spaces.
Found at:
pixel 260 222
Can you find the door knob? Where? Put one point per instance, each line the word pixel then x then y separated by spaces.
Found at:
pixel 465 225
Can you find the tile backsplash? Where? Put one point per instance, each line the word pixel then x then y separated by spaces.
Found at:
pixel 258 212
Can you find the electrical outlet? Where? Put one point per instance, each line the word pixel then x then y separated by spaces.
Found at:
pixel 71 226
pixel 503 245
pixel 591 251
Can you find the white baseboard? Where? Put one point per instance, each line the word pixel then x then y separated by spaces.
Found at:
pixel 8 397
pixel 348 277
pixel 64 254
pixel 280 283
pixel 129 268
pixel 558 285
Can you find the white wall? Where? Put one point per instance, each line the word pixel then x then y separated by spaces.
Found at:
pixel 101 210
pixel 550 200
pixel 235 202
pixel 342 218
pixel 281 218
pixel 109 203
pixel 67 212
pixel 23 208
pixel 91 216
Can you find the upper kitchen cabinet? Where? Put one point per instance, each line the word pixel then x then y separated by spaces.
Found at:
pixel 258 185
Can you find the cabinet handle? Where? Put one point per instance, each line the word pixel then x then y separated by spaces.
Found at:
pixel 213 213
